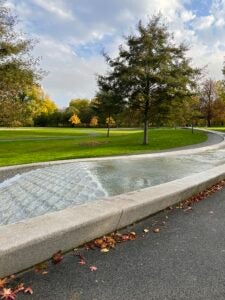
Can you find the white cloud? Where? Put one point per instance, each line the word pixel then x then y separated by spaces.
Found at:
pixel 70 76
pixel 187 16
pixel 204 22
pixel 55 8
pixel 72 34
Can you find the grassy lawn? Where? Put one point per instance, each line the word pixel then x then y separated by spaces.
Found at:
pixel 222 129
pixel 26 145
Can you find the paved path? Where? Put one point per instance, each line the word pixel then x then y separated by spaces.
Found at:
pixel 212 140
pixel 185 261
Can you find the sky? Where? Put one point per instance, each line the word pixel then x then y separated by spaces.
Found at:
pixel 72 34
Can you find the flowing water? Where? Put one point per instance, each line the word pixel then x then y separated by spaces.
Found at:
pixel 57 187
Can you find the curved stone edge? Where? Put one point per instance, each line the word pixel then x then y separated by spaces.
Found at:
pixel 134 156
pixel 27 243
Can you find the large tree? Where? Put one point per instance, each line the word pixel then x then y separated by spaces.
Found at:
pixel 18 70
pixel 152 69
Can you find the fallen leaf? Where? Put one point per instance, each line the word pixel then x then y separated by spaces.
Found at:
pixel 41 268
pixel 3 282
pixel 110 241
pixel 7 294
pixel 28 290
pixel 133 233
pixel 125 237
pixel 188 208
pixel 98 243
pixel 104 250
pixel 19 288
pixel 44 273
pixel 93 268
pixel 82 262
pixel 57 257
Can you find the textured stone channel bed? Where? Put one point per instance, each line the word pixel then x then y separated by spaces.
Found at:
pixel 40 191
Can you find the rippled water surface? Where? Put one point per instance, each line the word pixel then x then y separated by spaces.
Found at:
pixel 56 187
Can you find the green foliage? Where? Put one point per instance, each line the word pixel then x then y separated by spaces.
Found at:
pixel 82 108
pixel 148 71
pixel 18 70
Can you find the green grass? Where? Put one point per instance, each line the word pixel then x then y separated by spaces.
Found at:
pixel 68 143
pixel 222 129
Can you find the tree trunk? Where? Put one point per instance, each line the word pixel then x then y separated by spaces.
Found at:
pixel 108 126
pixel 145 142
pixel 208 122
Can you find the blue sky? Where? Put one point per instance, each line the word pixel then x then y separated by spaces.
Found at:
pixel 199 7
pixel 73 33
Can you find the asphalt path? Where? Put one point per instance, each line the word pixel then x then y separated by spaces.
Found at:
pixel 184 261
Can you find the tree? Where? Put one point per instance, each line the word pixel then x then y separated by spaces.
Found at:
pixel 39 103
pixel 75 120
pixel 110 121
pixel 185 111
pixel 82 108
pixel 151 69
pixel 109 100
pixel 219 103
pixel 18 70
pixel 208 96
pixel 94 121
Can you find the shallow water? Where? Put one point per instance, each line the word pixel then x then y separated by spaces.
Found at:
pixel 57 187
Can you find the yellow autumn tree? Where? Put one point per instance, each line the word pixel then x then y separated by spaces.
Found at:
pixel 74 119
pixel 39 102
pixel 94 121
pixel 110 121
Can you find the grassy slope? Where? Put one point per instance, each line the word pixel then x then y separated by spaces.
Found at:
pixel 85 143
pixel 222 129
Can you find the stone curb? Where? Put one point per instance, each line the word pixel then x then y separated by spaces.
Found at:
pixel 27 243
pixel 132 156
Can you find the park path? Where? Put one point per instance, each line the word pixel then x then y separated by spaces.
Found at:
pixel 185 260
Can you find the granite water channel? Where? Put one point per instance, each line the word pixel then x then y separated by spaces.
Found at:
pixel 52 188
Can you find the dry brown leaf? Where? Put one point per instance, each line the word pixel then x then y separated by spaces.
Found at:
pixel 104 250
pixel 3 282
